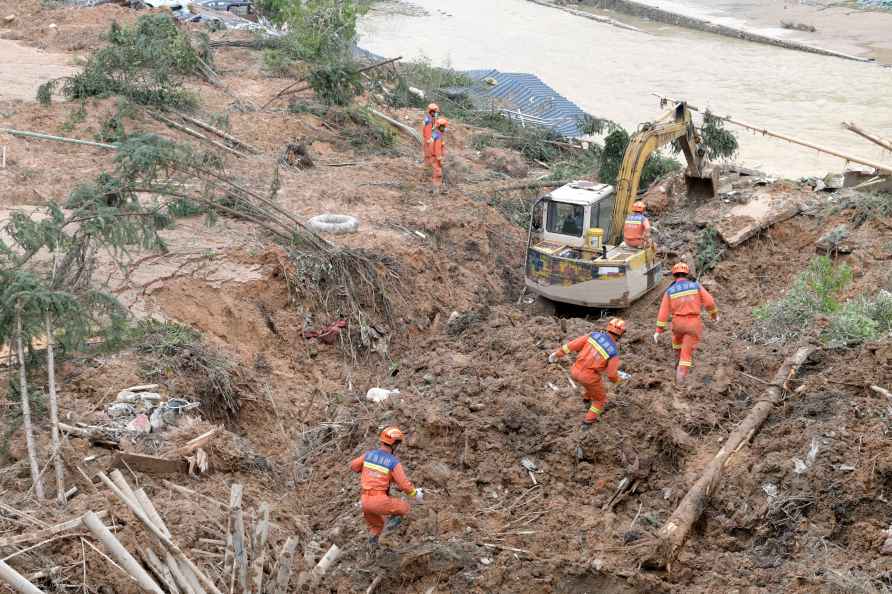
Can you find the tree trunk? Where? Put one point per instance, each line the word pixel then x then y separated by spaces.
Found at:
pixel 26 406
pixel 672 535
pixel 54 412
pixel 18 582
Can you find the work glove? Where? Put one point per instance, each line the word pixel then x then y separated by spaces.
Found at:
pixel 552 358
pixel 419 495
pixel 624 376
pixel 656 338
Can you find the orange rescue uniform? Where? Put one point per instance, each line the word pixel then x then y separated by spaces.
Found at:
pixel 683 300
pixel 598 353
pixel 438 145
pixel 427 130
pixel 379 468
pixel 636 231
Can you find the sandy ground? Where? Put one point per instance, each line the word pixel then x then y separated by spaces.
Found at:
pixel 23 69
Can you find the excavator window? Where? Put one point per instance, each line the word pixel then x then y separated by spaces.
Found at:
pixel 565 219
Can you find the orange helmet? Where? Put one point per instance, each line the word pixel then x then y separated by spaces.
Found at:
pixel 681 268
pixel 616 326
pixel 433 107
pixel 392 435
pixel 442 122
pixel 638 207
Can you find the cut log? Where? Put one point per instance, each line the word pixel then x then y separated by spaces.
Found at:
pixel 239 553
pixel 285 566
pixel 148 464
pixel 47 533
pixel 261 533
pixel 195 134
pixel 674 532
pixel 408 131
pixel 18 582
pixel 235 501
pixel 159 535
pixel 121 555
pixel 218 132
pixel 309 579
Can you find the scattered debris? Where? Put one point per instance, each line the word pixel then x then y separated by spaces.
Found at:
pixel 380 394
pixel 798 26
pixel 335 224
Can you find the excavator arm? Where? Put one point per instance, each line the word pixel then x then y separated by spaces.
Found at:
pixel 674 124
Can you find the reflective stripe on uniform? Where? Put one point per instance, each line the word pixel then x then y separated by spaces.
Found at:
pixel 376 467
pixel 662 324
pixel 412 493
pixel 686 363
pixel 628 222
pixel 687 293
pixel 676 346
pixel 594 344
pixel 594 409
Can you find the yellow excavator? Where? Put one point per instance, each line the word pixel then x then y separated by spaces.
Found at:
pixel 575 251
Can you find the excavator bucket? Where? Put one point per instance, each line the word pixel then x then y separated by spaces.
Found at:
pixel 703 188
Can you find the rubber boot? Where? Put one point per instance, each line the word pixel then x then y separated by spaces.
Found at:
pixel 392 524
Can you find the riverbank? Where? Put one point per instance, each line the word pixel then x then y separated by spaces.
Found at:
pixel 837 28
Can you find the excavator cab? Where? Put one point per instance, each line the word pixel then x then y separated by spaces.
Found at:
pixel 575 249
pixel 568 260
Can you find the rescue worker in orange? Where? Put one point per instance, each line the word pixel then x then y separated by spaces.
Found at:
pixel 438 146
pixel 427 131
pixel 683 300
pixel 379 468
pixel 636 231
pixel 598 354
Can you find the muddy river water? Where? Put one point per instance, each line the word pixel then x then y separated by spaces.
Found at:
pixel 610 72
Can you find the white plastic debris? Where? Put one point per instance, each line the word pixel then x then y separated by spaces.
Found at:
pixel 380 394
pixel 120 409
pixel 770 489
pixel 800 466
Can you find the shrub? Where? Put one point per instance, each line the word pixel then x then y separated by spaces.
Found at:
pixel 709 250
pixel 336 84
pixel 319 30
pixel 859 320
pixel 615 144
pixel 719 142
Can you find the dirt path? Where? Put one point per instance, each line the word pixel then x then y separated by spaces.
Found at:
pixel 23 69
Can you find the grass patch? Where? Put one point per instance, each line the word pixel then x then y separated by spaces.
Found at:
pixel 860 320
pixel 179 357
pixel 865 206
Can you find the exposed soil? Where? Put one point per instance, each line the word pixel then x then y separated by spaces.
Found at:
pixel 476 393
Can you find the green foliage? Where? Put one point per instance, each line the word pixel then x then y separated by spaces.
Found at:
pixel 865 206
pixel 319 30
pixel 590 125
pixel 615 143
pixel 145 63
pixel 74 118
pixel 814 292
pixel 300 106
pixel 859 320
pixel 45 92
pixel 336 84
pixel 174 353
pixel 366 133
pixel 112 129
pixel 431 81
pixel 719 142
pixel 709 250
pixel 277 62
pixel 577 164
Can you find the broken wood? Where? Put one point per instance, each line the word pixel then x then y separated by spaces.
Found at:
pixel 411 132
pixel 218 132
pixel 285 565
pixel 882 391
pixel 237 533
pixel 160 569
pixel 235 500
pixel 309 579
pixel 54 411
pixel 261 533
pixel 373 585
pixel 195 134
pixel 46 533
pixel 18 582
pixel 290 90
pixel 40 136
pixel 190 493
pixel 148 464
pixel 121 555
pixel 31 445
pixel 851 127
pixel 197 442
pixel 159 535
pixel 766 132
pixel 674 532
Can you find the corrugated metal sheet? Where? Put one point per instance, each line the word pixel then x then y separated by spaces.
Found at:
pixel 528 95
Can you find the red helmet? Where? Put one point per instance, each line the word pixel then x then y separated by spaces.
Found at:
pixel 392 435
pixel 433 107
pixel 638 206
pixel 616 326
pixel 442 122
pixel 681 268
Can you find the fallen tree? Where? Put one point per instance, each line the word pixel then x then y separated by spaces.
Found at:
pixel 674 532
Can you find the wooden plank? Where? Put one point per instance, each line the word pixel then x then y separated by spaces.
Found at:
pixel 148 464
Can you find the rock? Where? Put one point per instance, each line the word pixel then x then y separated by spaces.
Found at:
pixel 476 406
pixel 836 241
pixel 53 26
pixel 834 181
pixel 505 161
pixel 658 196
pixel 9 18
pixel 597 564
pixel 485 561
pixel 428 378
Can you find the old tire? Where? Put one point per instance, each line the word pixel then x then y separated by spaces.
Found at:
pixel 334 224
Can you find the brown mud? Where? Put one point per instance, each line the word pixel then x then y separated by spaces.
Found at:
pixel 476 393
